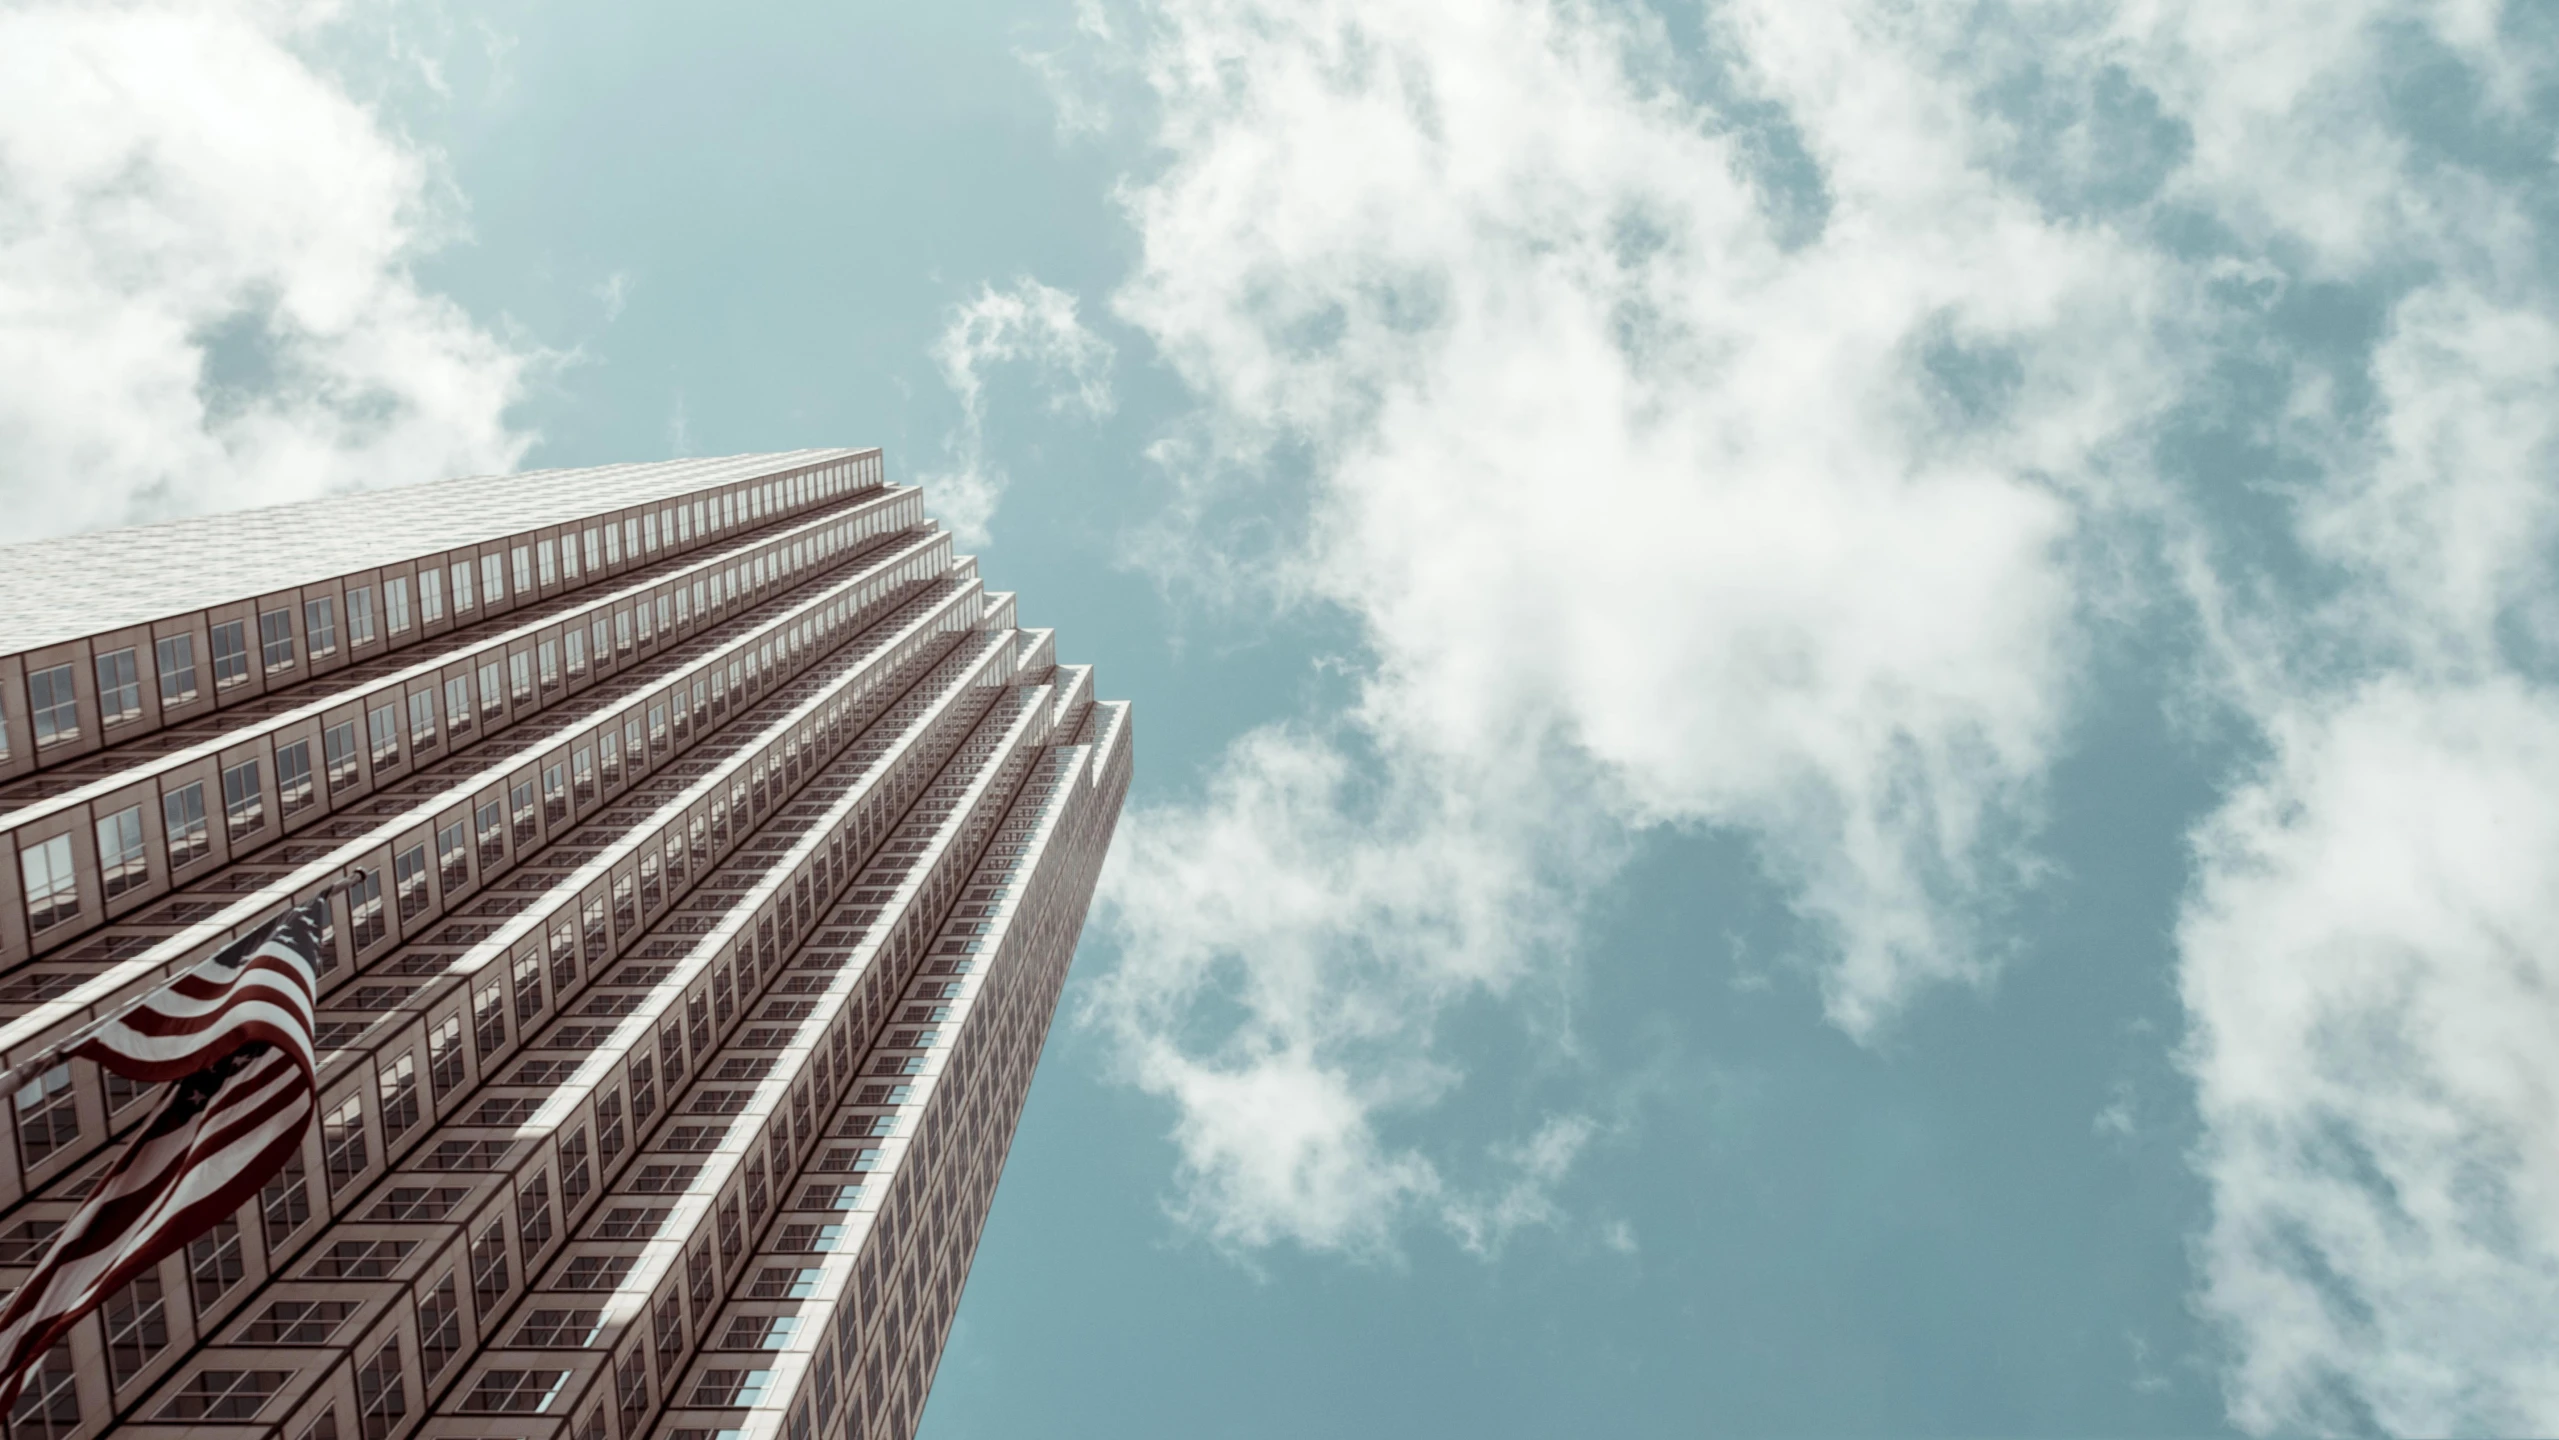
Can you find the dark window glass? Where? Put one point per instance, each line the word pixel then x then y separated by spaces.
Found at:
pixel 119 687
pixel 55 704
pixel 275 640
pixel 230 653
pixel 320 625
pixel 183 809
pixel 177 670
pixel 337 745
pixel 123 861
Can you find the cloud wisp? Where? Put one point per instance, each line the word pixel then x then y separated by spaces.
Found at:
pixel 1030 324
pixel 205 264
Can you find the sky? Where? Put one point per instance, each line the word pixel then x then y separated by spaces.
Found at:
pixel 1844 711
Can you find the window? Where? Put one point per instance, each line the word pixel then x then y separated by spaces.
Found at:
pixel 417 1202
pixel 582 769
pixel 320 625
pixel 342 1143
pixel 23 1242
pixel 613 540
pixel 364 911
pixel 555 794
pixel 591 551
pixel 431 594
pixel 53 889
pixel 275 640
pixel 360 615
pixel 596 1272
pixel 137 1326
pixel 177 670
pixel 296 1322
pixel 382 728
pixel 652 531
pixel 337 746
pixel 524 566
pixel 213 1263
pixel 631 1388
pixel 515 1392
pixel 488 1266
pixel 506 1110
pixel 488 1020
pixel 775 1282
pixel 230 653
pixel 48 1118
pixel 559 1329
pixel 381 1397
pixel 444 1054
pixel 576 642
pixel 520 814
pixel 360 1259
pixel 121 1092
pixel 399 1084
pixel 395 604
pixel 439 1327
pixel 119 687
pixel 457 705
pixel 492 579
pixel 759 1332
pixel 55 703
pixel 292 777
pixel 664 1179
pixel 223 1395
pixel 492 698
pixel 730 1387
pixel 612 747
pixel 549 651
pixel 491 823
pixel 48 1407
pixel 183 809
pixel 696 1139
pixel 550 561
pixel 520 676
pixel 621 631
pixel 285 1203
pixel 421 719
pixel 123 863
pixel 243 802
pixel 575 1178
pixel 409 875
pixel 453 857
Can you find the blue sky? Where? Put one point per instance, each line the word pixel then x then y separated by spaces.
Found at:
pixel 1845 711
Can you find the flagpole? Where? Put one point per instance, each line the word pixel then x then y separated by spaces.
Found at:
pixel 51 1055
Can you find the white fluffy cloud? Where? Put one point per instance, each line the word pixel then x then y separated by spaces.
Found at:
pixel 205 298
pixel 1031 324
pixel 2372 979
pixel 1763 463
pixel 2367 952
pixel 1654 505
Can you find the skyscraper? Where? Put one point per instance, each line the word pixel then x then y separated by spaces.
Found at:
pixel 725 843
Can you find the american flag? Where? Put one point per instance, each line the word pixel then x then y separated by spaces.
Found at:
pixel 235 1033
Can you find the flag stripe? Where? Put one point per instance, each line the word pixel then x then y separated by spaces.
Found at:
pixel 236 1033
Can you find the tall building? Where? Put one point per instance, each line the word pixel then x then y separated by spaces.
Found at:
pixel 726 842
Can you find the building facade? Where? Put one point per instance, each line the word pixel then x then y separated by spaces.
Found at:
pixel 726 843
